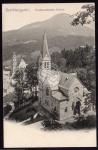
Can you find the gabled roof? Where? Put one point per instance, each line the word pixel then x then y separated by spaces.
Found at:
pixel 44 49
pixel 66 80
pixel 21 59
pixel 22 63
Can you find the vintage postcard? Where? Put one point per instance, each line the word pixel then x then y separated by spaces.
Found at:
pixel 49 75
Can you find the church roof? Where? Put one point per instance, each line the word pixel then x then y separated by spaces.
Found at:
pixel 44 49
pixel 58 95
pixel 22 63
pixel 22 59
pixel 67 79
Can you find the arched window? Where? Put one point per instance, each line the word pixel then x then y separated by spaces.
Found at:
pixel 44 64
pixel 47 64
pixel 47 91
pixel 76 89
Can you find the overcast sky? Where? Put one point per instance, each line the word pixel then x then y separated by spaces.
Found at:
pixel 15 16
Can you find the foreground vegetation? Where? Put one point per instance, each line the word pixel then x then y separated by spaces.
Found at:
pixel 88 122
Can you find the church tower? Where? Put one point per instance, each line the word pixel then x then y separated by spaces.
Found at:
pixel 44 68
pixel 14 62
pixel 44 59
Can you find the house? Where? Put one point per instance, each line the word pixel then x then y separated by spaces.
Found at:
pixel 6 75
pixel 60 93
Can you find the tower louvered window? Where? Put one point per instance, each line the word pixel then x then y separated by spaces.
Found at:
pixel 47 64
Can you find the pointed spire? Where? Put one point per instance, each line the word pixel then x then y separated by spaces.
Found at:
pixel 44 49
pixel 21 58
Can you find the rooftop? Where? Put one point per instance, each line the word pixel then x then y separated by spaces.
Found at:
pixel 58 95
pixel 67 79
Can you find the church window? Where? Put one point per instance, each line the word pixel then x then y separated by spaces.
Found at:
pixel 54 108
pixel 45 64
pixel 46 102
pixel 65 109
pixel 47 91
pixel 72 105
pixel 76 89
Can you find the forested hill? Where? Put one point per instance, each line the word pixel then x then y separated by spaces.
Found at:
pixel 60 34
pixel 55 44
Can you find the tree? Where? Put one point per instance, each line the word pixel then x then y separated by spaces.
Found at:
pixel 55 57
pixel 19 88
pixel 32 81
pixel 62 64
pixel 84 17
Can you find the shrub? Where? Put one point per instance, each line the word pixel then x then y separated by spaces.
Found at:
pixel 50 124
pixel 87 122
pixel 7 109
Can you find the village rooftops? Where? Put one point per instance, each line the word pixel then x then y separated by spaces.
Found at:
pixel 6 72
pixel 59 96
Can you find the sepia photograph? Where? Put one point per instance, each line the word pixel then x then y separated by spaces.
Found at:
pixel 49 75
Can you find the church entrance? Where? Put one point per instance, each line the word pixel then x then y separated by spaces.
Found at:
pixel 76 110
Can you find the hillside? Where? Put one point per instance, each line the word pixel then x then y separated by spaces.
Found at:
pixel 59 31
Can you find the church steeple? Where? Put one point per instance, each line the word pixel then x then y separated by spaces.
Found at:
pixel 44 49
pixel 45 59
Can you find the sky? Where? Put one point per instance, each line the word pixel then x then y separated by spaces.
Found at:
pixel 15 16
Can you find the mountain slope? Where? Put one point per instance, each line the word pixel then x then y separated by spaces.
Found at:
pixel 56 44
pixel 59 31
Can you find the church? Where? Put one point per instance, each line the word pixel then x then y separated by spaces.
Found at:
pixel 18 65
pixel 60 93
